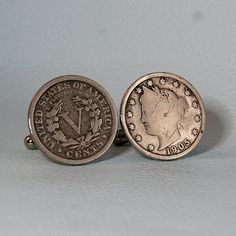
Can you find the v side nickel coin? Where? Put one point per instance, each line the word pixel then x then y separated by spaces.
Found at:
pixel 72 119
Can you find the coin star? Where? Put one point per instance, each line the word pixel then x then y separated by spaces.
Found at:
pixel 151 147
pixel 149 83
pixel 132 102
pixel 197 118
pixel 131 127
pixel 129 114
pixel 195 104
pixel 162 81
pixel 195 132
pixel 138 138
pixel 175 84
pixel 187 92
pixel 138 90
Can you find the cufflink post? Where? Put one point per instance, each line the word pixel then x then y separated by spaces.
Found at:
pixel 29 143
pixel 121 138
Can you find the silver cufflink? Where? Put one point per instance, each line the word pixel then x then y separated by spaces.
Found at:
pixel 72 119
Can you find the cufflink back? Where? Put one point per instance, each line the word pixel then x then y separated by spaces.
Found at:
pixel 163 116
pixel 72 119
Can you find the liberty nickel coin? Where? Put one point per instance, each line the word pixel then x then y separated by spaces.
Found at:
pixel 72 119
pixel 163 116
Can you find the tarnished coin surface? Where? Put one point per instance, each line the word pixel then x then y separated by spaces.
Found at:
pixel 72 119
pixel 163 116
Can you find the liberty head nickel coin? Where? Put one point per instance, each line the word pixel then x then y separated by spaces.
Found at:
pixel 72 119
pixel 163 116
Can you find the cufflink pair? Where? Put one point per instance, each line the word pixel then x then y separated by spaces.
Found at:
pixel 73 120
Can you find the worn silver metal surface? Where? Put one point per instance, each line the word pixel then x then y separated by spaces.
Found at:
pixel 72 119
pixel 163 115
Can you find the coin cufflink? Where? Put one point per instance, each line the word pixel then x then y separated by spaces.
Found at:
pixel 163 116
pixel 72 119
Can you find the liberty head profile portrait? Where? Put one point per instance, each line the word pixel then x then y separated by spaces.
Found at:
pixel 162 114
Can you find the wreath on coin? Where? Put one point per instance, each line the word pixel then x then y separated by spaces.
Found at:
pixel 53 126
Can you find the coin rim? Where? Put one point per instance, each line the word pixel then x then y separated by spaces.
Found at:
pixel 35 137
pixel 125 127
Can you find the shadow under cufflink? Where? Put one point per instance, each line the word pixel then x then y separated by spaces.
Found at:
pixel 218 127
pixel 112 152
pixel 119 141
